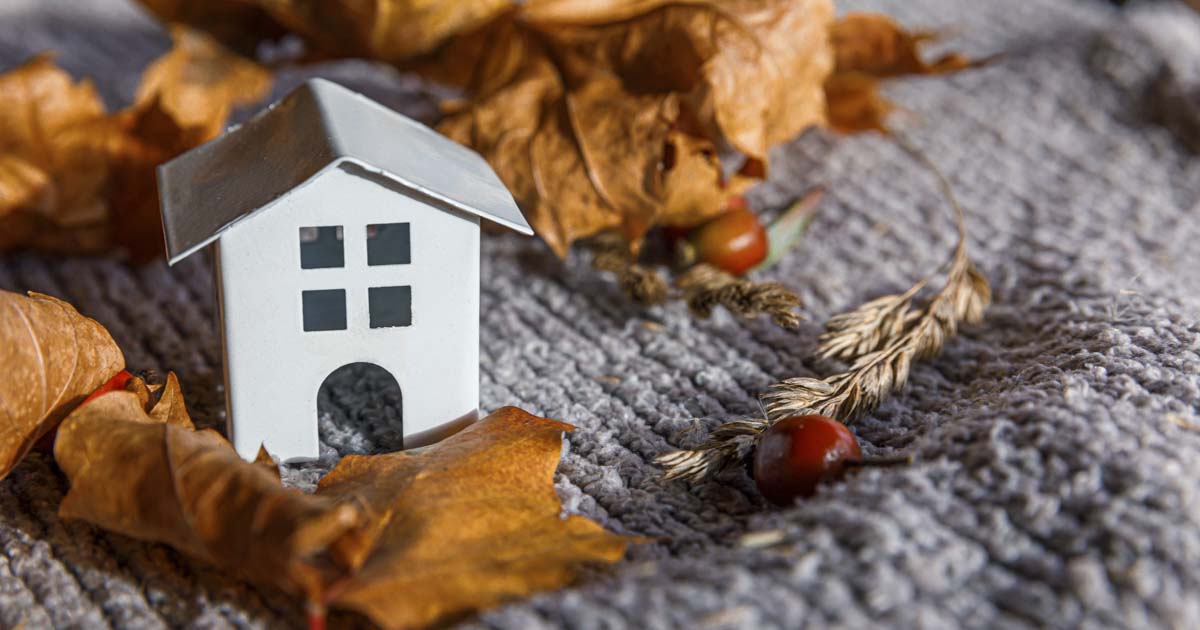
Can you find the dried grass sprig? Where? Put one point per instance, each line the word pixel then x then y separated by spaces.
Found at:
pixel 642 284
pixel 706 287
pixel 880 339
pixel 727 445
pixel 894 336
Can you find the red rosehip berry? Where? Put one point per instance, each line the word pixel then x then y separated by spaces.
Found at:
pixel 796 453
pixel 114 384
pixel 734 242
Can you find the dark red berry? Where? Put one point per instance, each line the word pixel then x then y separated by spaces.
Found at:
pixel 796 453
pixel 735 241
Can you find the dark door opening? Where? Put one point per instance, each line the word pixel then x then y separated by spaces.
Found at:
pixel 359 410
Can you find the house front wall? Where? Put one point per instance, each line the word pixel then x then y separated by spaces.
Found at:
pixel 275 367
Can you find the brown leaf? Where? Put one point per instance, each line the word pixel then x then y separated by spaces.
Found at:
pixel 264 460
pixel 169 409
pixel 470 522
pixel 869 47
pixel 855 103
pixel 74 178
pixel 53 165
pixel 183 100
pixel 194 87
pixel 388 30
pixel 605 114
pixel 874 44
pixel 238 24
pixel 130 473
pixel 137 386
pixel 53 357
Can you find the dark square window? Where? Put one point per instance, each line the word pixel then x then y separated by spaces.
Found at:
pixel 390 306
pixel 324 309
pixel 322 247
pixel 388 244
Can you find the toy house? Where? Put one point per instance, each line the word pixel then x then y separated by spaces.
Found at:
pixel 342 232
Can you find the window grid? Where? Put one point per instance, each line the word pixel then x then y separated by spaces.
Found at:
pixel 323 247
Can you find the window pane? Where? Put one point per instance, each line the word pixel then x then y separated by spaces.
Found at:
pixel 324 310
pixel 388 244
pixel 390 306
pixel 321 247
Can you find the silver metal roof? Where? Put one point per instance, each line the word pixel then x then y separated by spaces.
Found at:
pixel 317 126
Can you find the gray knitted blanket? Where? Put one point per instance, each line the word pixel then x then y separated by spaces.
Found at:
pixel 1057 444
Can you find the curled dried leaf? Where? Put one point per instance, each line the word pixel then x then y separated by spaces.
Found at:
pixel 54 167
pixel 869 47
pixel 610 115
pixel 74 178
pixel 183 100
pixel 874 44
pixel 238 24
pixel 134 474
pixel 170 408
pixel 53 358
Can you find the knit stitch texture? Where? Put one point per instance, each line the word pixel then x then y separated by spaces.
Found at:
pixel 1057 445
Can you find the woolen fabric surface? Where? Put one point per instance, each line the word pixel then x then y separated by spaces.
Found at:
pixel 1057 456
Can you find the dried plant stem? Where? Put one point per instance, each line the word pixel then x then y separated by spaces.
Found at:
pixel 880 340
pixel 705 287
pixel 642 284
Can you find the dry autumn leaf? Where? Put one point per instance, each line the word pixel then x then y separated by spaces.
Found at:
pixel 601 115
pixel 54 165
pixel 468 523
pixel 869 47
pixel 238 24
pixel 53 358
pixel 74 178
pixel 183 100
pixel 133 474
pixel 389 30
pixel 596 114
pixel 169 408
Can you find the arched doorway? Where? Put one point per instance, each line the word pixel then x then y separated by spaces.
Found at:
pixel 359 410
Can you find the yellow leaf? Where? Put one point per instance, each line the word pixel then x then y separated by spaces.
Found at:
pixel 53 357
pixel 467 524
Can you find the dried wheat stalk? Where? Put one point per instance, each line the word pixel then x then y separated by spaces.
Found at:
pixel 880 340
pixel 705 287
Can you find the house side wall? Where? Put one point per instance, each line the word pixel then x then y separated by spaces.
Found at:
pixel 275 368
